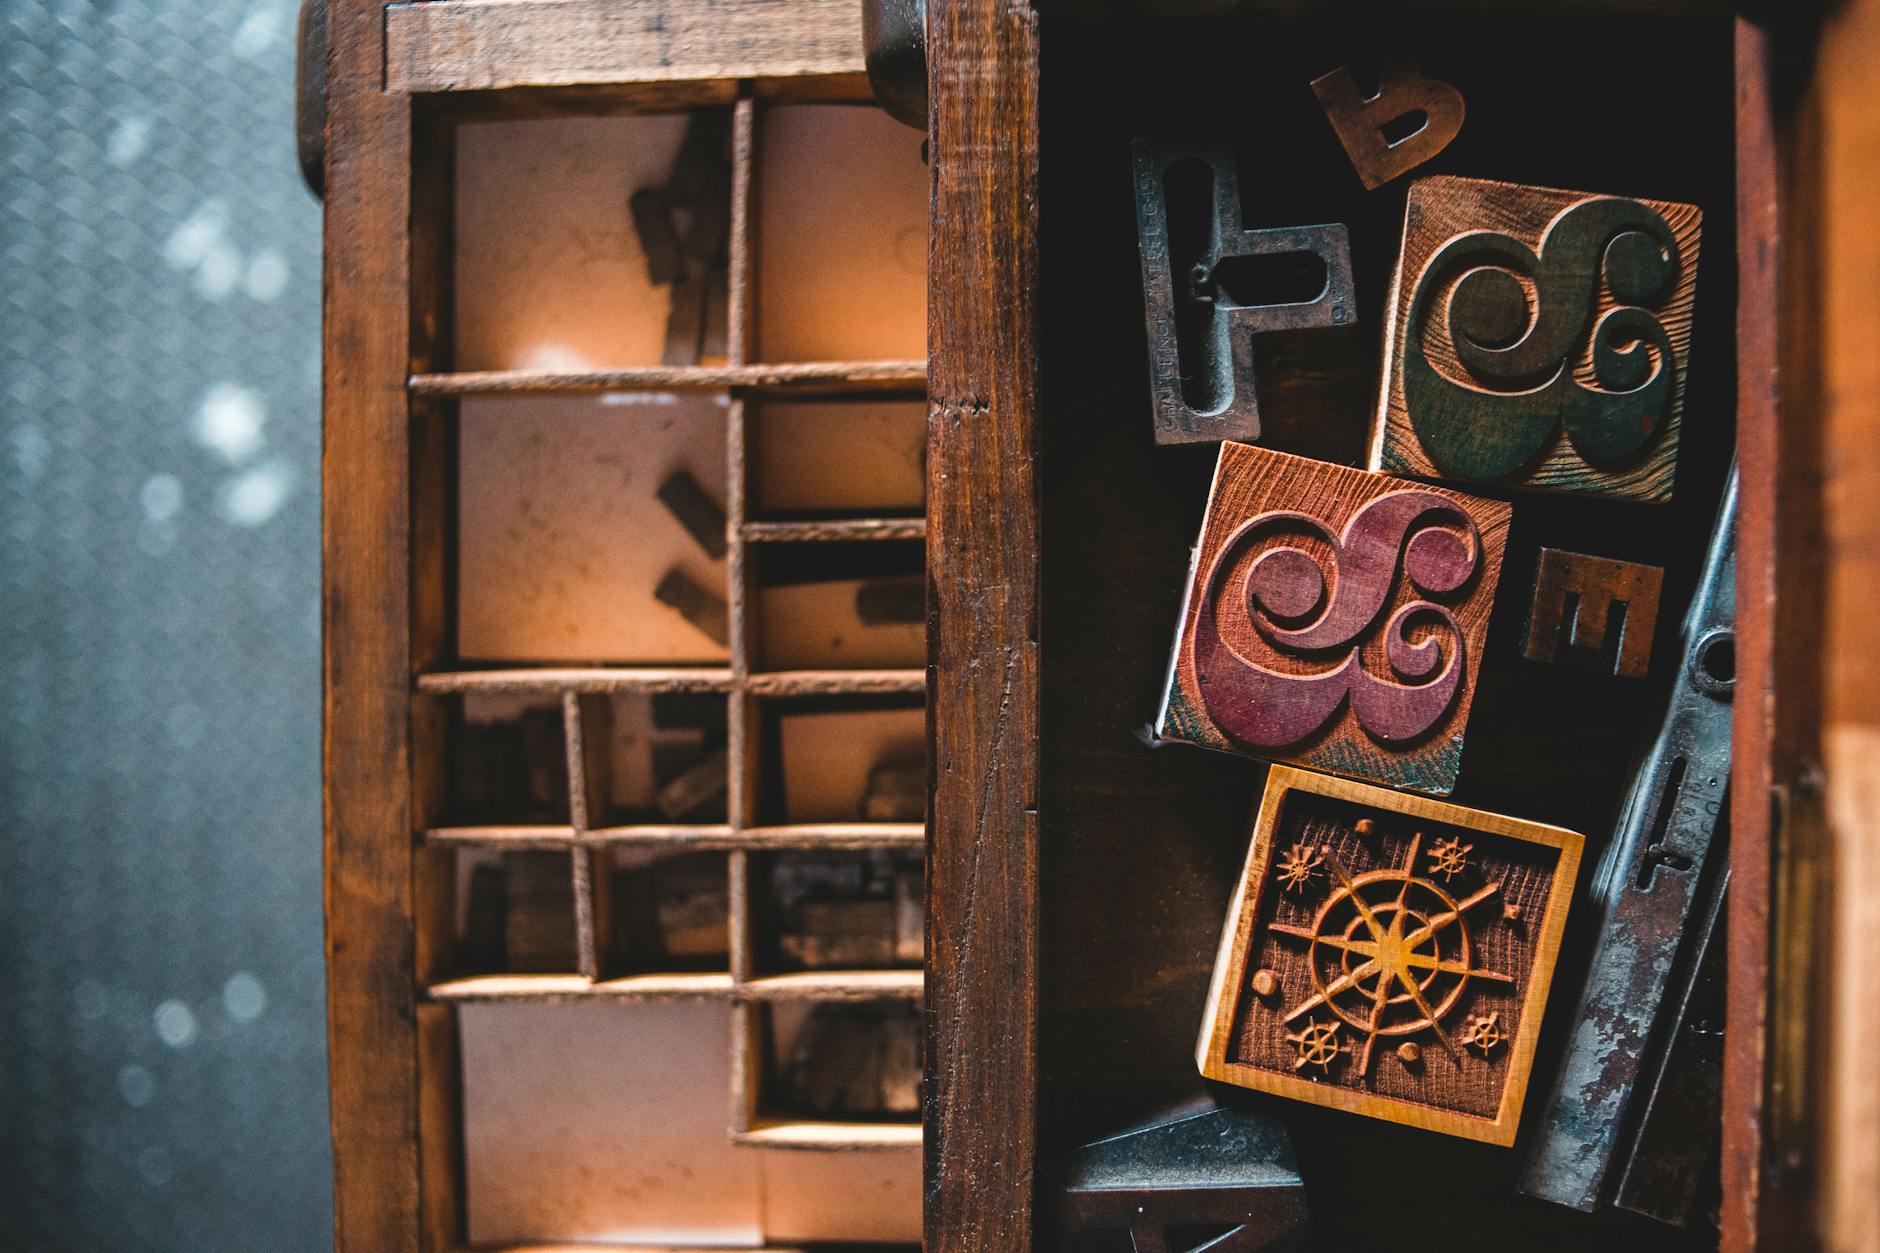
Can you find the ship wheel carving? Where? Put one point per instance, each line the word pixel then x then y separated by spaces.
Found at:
pixel 1390 953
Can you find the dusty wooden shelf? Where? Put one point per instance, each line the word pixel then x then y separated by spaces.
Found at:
pixel 649 987
pixel 836 529
pixel 782 1134
pixel 629 1248
pixel 512 837
pixel 594 679
pixel 835 682
pixel 693 836
pixel 835 985
pixel 813 377
pixel 835 835
pixel 462 45
pixel 702 836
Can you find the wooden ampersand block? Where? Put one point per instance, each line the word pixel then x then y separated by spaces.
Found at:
pixel 1209 285
pixel 1412 943
pixel 1538 339
pixel 1614 609
pixel 1335 618
pixel 1363 122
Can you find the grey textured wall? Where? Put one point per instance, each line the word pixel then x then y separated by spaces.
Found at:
pixel 162 1072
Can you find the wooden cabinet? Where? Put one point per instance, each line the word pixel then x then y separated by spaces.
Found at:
pixel 494 375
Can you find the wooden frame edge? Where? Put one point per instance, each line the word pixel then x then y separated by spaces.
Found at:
pixel 1230 970
pixel 980 1101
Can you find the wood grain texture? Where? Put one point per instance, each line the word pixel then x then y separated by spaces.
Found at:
pixel 980 1094
pixel 459 45
pixel 1463 890
pixel 815 377
pixel 1626 443
pixel 1291 685
pixel 1600 590
pixel 372 1038
pixel 1749 1220
pixel 1360 120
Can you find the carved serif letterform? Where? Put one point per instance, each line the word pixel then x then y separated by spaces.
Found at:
pixel 1209 286
pixel 1365 124
pixel 1600 605
pixel 1539 339
pixel 1336 619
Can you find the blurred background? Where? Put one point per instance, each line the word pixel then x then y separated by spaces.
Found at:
pixel 162 1032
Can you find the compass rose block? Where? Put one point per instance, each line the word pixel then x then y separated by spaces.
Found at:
pixel 1412 970
pixel 1335 619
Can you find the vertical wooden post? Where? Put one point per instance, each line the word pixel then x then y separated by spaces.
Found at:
pixel 982 625
pixel 1770 1094
pixel 372 1022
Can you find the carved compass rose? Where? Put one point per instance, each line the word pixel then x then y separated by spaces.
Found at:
pixel 1390 953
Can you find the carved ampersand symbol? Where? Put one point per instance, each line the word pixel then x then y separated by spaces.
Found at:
pixel 1518 353
pixel 1293 608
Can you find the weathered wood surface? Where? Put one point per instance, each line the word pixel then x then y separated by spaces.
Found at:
pixel 372 1037
pixel 1361 121
pixel 1300 643
pixel 463 45
pixel 1386 920
pixel 982 629
pixel 815 377
pixel 1538 338
pixel 1615 610
pixel 1776 696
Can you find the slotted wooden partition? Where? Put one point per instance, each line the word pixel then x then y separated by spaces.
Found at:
pixel 462 67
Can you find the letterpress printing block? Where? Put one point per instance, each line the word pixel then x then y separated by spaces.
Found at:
pixel 836 934
pixel 910 916
pixel 685 322
pixel 545 756
pixel 694 788
pixel 1210 285
pixel 538 890
pixel 714 342
pixel 892 602
pixel 681 592
pixel 1402 937
pixel 1300 643
pixel 701 516
pixel 1364 122
pixel 897 792
pixel 855 1061
pixel 692 905
pixel 1614 609
pixel 1227 1175
pixel 1663 869
pixel 659 237
pixel 1538 338
pixel 483 945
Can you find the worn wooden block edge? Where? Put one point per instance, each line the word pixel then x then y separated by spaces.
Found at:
pixel 1230 967
pixel 1443 766
pixel 1642 479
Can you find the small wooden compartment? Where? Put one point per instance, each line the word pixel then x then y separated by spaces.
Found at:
pixel 551 273
pixel 839 605
pixel 842 758
pixel 834 460
pixel 860 909
pixel 839 1062
pixel 841 202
